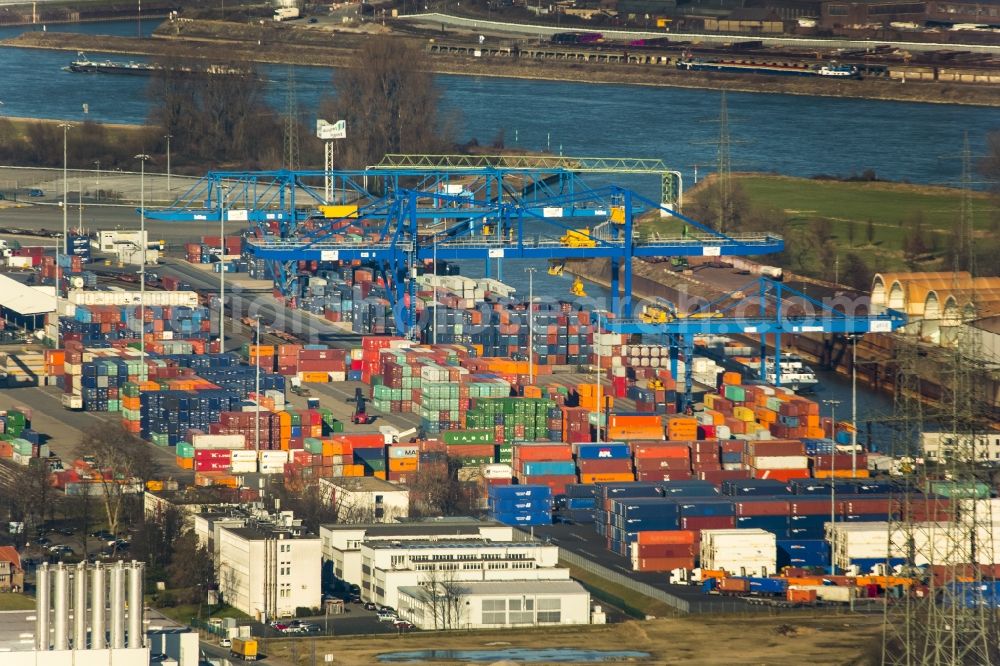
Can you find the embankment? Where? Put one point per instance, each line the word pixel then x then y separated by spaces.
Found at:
pixel 280 44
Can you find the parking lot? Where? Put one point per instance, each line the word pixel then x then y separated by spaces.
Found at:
pixel 61 541
pixel 355 619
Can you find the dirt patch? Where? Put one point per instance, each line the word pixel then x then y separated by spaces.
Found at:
pixel 695 641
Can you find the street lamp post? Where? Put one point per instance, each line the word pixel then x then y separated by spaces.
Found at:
pixel 222 269
pixel 531 323
pixel 597 350
pixel 854 407
pixel 434 296
pixel 65 203
pixel 168 137
pixel 832 404
pixel 142 157
pixel 97 163
pixel 256 440
pixel 58 286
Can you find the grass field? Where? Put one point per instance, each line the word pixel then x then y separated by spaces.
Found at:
pixel 184 612
pixel 10 602
pixel 848 209
pixel 799 638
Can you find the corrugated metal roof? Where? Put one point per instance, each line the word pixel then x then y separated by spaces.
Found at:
pixel 24 299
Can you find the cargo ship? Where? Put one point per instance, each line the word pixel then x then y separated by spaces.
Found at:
pixel 743 67
pixel 83 65
pixel 736 357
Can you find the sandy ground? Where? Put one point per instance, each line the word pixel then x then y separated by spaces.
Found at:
pixel 700 641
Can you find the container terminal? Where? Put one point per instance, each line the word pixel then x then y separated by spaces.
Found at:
pixel 460 433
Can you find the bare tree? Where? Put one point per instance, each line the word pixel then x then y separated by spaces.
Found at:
pixel 214 113
pixel 124 463
pixel 191 568
pixel 390 102
pixel 437 491
pixel 445 597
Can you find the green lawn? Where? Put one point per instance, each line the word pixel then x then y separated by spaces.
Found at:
pixel 618 594
pixel 183 613
pixel 11 602
pixel 847 207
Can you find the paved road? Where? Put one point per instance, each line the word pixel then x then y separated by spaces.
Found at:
pixel 436 20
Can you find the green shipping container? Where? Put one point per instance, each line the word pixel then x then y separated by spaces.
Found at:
pixel 478 436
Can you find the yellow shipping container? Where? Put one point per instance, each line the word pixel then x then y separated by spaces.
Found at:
pixel 743 413
pixel 379 475
pixel 339 212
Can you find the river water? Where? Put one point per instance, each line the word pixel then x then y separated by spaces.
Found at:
pixel 792 135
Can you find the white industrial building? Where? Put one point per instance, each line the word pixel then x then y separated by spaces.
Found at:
pixel 365 499
pixel 941 446
pixel 25 306
pixel 269 572
pixel 388 566
pixel 92 615
pixel 342 543
pixel 495 605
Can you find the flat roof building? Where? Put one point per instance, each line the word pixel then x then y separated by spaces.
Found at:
pixel 495 605
pixel 268 572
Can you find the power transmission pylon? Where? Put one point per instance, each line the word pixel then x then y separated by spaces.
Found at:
pixel 724 169
pixel 954 623
pixel 290 148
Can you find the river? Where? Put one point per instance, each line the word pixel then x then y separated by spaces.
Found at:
pixel 793 135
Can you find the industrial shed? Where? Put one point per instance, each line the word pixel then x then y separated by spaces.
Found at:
pixel 24 306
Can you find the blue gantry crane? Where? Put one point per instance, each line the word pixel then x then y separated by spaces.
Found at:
pixel 761 307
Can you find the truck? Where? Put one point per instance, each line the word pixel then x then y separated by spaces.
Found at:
pixel 286 13
pixel 72 401
pixel 244 648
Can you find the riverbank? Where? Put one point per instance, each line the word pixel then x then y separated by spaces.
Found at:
pixel 281 44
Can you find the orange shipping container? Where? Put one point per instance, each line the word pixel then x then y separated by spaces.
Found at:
pixel 665 537
pixel 543 452
pixel 402 464
pixel 185 463
pixel 801 596
pixel 607 477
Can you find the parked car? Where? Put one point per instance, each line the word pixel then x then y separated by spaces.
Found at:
pixel 355 599
pixel 369 606
pixel 225 642
pixel 387 617
pixel 36 192
pixel 279 626
pixel 387 609
pixel 402 625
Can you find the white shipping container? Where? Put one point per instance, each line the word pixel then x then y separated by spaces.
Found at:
pixel 155 298
pixel 403 452
pixel 497 471
pixel 243 467
pixel 780 462
pixel 338 376
pixel 272 468
pixel 273 457
pixel 218 442
pixel 243 455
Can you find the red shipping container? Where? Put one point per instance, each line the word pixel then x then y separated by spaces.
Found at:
pixel 556 483
pixel 604 466
pixel 663 564
pixel 717 476
pixel 671 475
pixel 781 474
pixel 664 550
pixel 763 507
pixel 662 464
pixel 809 507
pixel 776 447
pixel 708 522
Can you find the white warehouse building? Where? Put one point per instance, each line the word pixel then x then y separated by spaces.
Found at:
pixel 388 566
pixel 269 572
pixel 342 543
pixel 494 605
